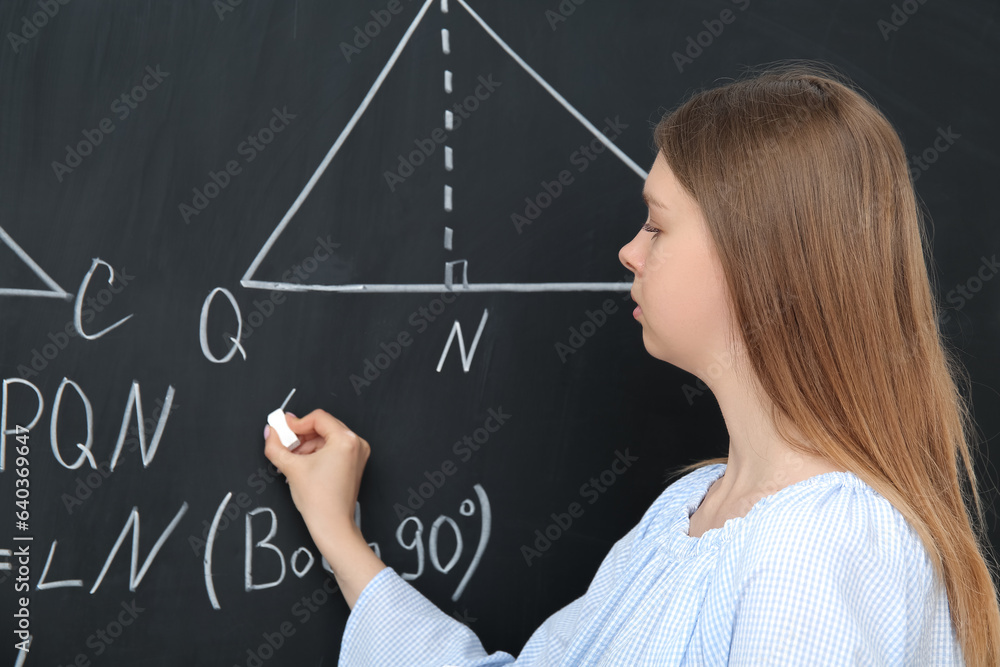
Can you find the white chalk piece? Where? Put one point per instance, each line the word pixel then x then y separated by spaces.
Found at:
pixel 277 421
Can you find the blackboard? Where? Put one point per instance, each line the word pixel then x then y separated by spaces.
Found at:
pixel 235 165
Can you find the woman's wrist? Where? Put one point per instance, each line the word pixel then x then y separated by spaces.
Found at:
pixel 353 562
pixel 332 535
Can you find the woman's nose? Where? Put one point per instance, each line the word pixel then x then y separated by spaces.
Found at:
pixel 628 256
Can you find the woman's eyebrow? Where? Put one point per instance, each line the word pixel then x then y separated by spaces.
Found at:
pixel 650 199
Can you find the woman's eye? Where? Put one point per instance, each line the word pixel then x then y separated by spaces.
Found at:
pixel 649 228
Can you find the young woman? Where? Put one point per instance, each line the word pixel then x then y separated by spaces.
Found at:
pixel 845 525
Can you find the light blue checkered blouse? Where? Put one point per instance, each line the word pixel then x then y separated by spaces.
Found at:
pixel 823 572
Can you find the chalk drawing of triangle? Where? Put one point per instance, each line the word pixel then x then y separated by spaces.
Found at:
pixel 448 283
pixel 54 290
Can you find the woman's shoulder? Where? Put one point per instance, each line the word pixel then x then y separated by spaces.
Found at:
pixel 661 520
pixel 686 491
pixel 830 556
pixel 838 518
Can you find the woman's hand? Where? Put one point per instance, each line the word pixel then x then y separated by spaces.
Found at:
pixel 324 474
pixel 324 471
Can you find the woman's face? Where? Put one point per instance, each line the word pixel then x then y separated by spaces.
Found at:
pixel 678 283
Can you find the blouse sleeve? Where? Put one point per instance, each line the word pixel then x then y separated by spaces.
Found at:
pixel 843 581
pixel 392 623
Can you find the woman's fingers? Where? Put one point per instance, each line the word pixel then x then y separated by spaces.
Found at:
pixel 318 421
pixel 276 452
pixel 321 425
pixel 316 430
pixel 309 446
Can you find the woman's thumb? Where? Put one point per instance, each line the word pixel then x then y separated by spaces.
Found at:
pixel 276 452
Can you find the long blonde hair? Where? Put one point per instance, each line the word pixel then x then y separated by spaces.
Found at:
pixel 807 194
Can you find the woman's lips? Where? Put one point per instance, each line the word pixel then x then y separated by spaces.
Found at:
pixel 638 309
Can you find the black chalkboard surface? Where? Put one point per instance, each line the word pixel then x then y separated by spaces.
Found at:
pixel 408 214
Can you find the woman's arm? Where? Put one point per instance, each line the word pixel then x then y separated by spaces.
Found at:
pixel 324 475
pixel 353 562
pixel 393 624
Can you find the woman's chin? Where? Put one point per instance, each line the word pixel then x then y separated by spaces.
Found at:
pixel 656 350
pixel 651 347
